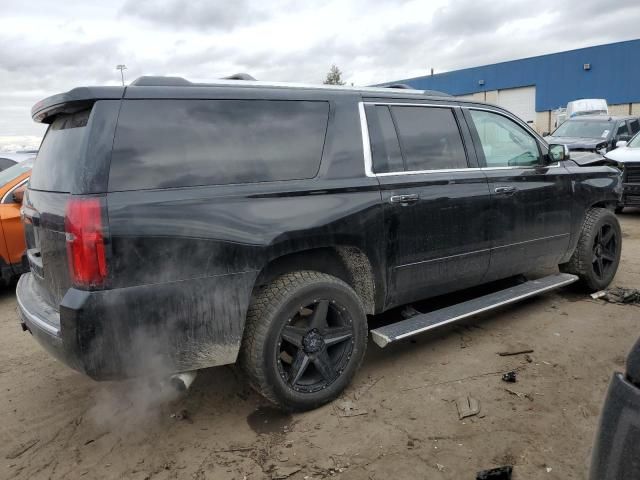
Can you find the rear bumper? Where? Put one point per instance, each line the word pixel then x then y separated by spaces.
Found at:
pixel 148 329
pixel 616 452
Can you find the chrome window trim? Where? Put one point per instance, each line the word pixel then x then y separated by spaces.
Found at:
pixel 368 158
pixel 15 187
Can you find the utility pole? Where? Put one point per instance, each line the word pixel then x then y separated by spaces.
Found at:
pixel 122 68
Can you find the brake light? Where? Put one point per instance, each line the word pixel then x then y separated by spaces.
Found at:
pixel 85 242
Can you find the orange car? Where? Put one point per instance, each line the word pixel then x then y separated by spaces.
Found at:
pixel 13 182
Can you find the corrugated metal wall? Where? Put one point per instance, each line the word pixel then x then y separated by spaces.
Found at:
pixel 558 78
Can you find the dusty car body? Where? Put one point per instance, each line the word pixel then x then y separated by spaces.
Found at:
pixel 193 225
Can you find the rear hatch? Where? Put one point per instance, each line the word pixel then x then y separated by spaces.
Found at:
pixel 44 207
pixel 66 195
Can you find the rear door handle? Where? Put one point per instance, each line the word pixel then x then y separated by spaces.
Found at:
pixel 405 199
pixel 510 190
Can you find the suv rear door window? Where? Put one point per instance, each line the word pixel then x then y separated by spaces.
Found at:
pixel 635 126
pixel 60 153
pixel 385 149
pixel 429 138
pixel 180 143
pixel 504 142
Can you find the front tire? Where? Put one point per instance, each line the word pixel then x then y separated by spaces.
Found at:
pixel 597 255
pixel 305 337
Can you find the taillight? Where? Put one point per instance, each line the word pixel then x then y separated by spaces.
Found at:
pixel 85 242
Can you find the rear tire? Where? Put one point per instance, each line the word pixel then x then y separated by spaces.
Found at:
pixel 597 255
pixel 305 337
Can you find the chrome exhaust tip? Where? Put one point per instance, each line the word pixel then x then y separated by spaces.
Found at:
pixel 182 381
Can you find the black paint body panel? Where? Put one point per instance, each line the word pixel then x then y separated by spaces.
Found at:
pixel 182 262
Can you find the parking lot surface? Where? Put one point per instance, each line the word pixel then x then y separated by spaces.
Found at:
pixel 397 420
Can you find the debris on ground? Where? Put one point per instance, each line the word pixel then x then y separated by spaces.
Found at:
pixel 439 467
pixel 467 407
pixel 528 358
pixel 20 449
pixel 519 394
pixel 509 353
pixel 350 409
pixel 510 377
pixel 500 473
pixel 326 468
pixel 182 415
pixel 618 295
pixel 365 388
pixel 279 473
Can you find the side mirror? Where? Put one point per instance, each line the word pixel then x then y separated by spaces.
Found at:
pixel 545 134
pixel 558 153
pixel 18 194
pixel 621 143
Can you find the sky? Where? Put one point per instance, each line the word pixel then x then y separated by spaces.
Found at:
pixel 49 47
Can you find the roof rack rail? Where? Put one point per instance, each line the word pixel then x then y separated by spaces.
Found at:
pixel 402 86
pixel 160 81
pixel 239 76
pixel 437 93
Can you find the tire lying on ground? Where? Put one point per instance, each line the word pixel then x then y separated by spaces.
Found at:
pixel 597 255
pixel 304 339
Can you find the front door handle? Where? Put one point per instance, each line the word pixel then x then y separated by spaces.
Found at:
pixel 405 199
pixel 509 190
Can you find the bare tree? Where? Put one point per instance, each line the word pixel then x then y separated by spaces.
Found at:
pixel 334 77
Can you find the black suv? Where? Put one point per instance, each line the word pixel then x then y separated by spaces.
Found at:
pixel 173 226
pixel 595 133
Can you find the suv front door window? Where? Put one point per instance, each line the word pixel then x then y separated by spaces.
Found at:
pixel 504 143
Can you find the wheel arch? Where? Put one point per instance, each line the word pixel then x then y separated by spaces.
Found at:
pixel 348 263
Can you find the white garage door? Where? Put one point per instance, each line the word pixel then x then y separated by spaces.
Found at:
pixel 521 101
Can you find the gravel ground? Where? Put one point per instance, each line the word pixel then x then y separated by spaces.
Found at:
pixel 402 421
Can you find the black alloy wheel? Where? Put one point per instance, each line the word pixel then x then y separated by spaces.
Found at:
pixel 315 346
pixel 605 251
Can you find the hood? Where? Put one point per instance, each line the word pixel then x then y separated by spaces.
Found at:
pixel 590 159
pixel 576 142
pixel 624 154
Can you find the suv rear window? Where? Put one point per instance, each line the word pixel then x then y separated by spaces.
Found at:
pixel 60 153
pixel 180 143
pixel 429 138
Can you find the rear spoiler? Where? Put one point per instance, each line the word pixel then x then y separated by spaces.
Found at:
pixel 73 101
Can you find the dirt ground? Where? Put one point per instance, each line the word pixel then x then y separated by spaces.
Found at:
pixel 58 424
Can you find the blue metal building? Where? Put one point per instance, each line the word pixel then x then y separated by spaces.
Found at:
pixel 532 87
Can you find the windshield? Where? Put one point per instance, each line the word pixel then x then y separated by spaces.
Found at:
pixel 14 172
pixel 634 142
pixel 584 129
